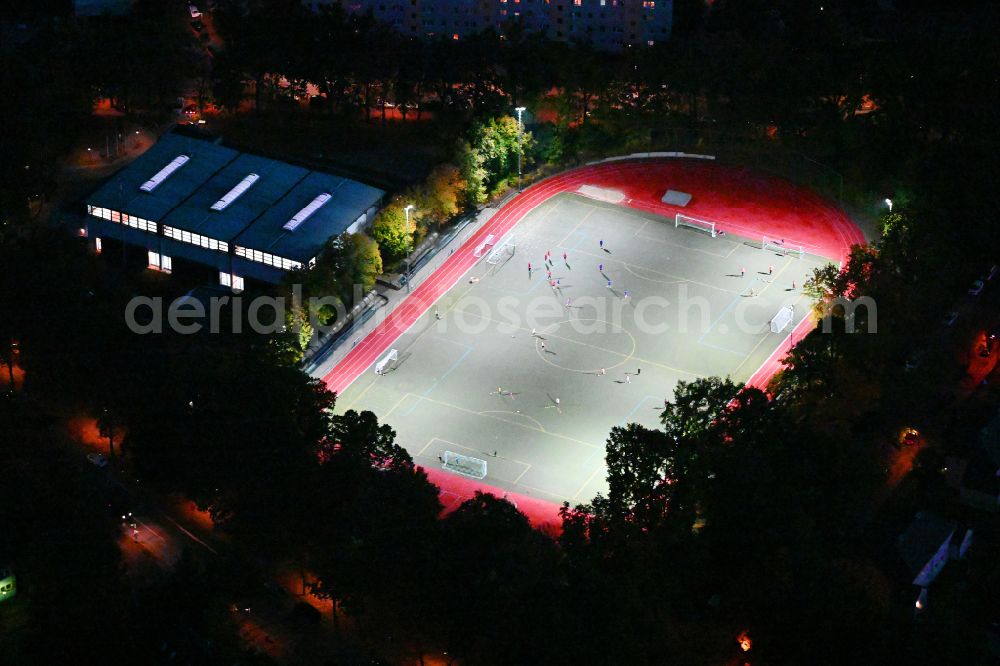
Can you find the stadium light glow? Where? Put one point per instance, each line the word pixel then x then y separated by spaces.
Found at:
pixel 888 202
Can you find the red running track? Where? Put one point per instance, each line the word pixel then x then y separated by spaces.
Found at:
pixel 741 202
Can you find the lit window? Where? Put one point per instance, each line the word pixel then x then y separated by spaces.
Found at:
pixel 97 244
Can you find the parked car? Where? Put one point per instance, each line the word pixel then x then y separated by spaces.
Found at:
pixel 194 12
pixel 950 318
pixel 98 459
pixel 977 287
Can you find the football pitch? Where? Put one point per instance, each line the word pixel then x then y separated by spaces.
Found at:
pixel 530 378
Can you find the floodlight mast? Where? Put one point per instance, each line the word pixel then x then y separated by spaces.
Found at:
pixel 519 110
pixel 409 247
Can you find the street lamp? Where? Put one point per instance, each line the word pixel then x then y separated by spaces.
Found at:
pixel 888 202
pixel 409 247
pixel 519 110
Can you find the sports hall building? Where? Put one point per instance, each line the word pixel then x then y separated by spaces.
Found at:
pixel 241 215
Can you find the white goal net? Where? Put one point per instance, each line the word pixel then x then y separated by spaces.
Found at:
pixel 383 364
pixel 501 251
pixel 781 320
pixel 681 220
pixel 782 248
pixel 464 465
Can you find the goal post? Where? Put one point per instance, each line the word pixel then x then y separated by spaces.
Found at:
pixel 681 220
pixel 782 248
pixel 464 465
pixel 782 319
pixel 502 251
pixel 391 357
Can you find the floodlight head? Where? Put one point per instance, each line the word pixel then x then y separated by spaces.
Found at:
pixel 888 202
pixel 409 207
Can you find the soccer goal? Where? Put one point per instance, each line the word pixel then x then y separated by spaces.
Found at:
pixel 782 248
pixel 502 251
pixel 391 357
pixel 782 319
pixel 681 220
pixel 464 465
pixel 487 242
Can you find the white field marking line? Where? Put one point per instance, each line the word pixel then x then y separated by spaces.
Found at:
pixel 562 243
pixel 547 190
pixel 614 353
pixel 488 415
pixel 589 479
pixel 353 401
pixel 519 476
pixel 679 278
pixel 630 213
pixel 515 414
pixel 405 349
pixel 774 278
pixel 556 499
pixel 486 454
pixel 717 255
pixel 393 408
pixel 764 339
pixel 425 446
pixel 626 358
pixel 629 268
pixel 544 190
pixel 410 304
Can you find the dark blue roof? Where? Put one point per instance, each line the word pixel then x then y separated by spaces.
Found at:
pixel 256 218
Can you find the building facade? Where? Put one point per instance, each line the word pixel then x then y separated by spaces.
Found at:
pixel 610 25
pixel 241 215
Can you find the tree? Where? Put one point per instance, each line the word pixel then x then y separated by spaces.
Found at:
pixel 443 193
pixel 393 230
pixel 491 559
pixel 490 157
pixel 366 261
